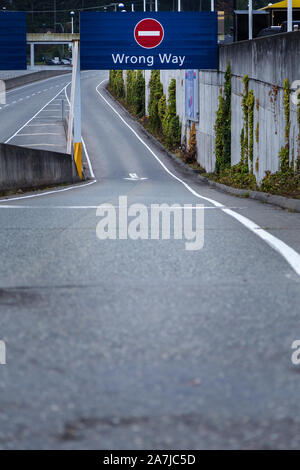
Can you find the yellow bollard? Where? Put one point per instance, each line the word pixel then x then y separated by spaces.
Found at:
pixel 78 157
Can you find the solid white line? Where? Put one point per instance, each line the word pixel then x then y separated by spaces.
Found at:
pixel 39 144
pixel 47 193
pixel 39 133
pixel 31 119
pixel 197 207
pixel 83 142
pixel 288 253
pixel 39 125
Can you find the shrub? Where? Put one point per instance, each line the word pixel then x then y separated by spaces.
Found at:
pixel 282 182
pixel 139 94
pixel 156 92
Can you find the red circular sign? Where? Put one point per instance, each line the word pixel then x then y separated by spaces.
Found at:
pixel 148 33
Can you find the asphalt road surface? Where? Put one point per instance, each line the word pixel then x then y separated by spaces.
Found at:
pixel 141 344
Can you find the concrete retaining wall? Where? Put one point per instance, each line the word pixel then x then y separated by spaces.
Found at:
pixel 23 168
pixel 21 80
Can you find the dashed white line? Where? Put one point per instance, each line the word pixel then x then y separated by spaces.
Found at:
pixel 36 114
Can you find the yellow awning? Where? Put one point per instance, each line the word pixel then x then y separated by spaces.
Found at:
pixel 281 5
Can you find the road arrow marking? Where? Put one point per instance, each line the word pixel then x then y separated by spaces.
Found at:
pixel 134 177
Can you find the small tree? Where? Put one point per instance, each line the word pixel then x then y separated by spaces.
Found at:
pixel 156 92
pixel 139 94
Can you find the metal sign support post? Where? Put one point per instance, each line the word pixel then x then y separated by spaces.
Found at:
pixel 75 111
pixel 250 20
pixel 290 16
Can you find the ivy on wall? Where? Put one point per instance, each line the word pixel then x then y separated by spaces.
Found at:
pixel 245 129
pixel 162 112
pixel 284 154
pixel 222 125
pixel 116 83
pixel 134 97
pixel 156 92
pixel 250 105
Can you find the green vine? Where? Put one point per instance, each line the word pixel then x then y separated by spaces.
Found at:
pixel 284 154
pixel 244 152
pixel 156 92
pixel 257 132
pixel 250 106
pixel 222 125
pixel 116 83
pixel 170 122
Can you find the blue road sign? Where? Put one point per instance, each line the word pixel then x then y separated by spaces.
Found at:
pixel 13 53
pixel 162 40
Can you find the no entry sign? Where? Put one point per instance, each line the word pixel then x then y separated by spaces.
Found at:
pixel 157 40
pixel 149 33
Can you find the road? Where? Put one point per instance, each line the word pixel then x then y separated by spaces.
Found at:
pixel 141 344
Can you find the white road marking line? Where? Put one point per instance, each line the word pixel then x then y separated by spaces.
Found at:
pixel 14 206
pixel 134 177
pixel 41 143
pixel 47 193
pixel 39 125
pixel 288 253
pixel 39 133
pixel 31 119
pixel 83 142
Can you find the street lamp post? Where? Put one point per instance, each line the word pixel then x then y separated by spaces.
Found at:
pixel 72 13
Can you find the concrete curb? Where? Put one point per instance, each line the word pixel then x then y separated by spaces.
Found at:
pixel 279 201
pixel 22 80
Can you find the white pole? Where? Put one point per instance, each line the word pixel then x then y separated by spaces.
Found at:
pixel 77 100
pixel 290 16
pixel 72 25
pixel 212 5
pixel 71 114
pixel 179 5
pixel 250 20
pixel 145 7
pixel 156 5
pixel 32 55
pixel 132 7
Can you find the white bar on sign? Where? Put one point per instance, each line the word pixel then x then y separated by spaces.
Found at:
pixel 148 33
